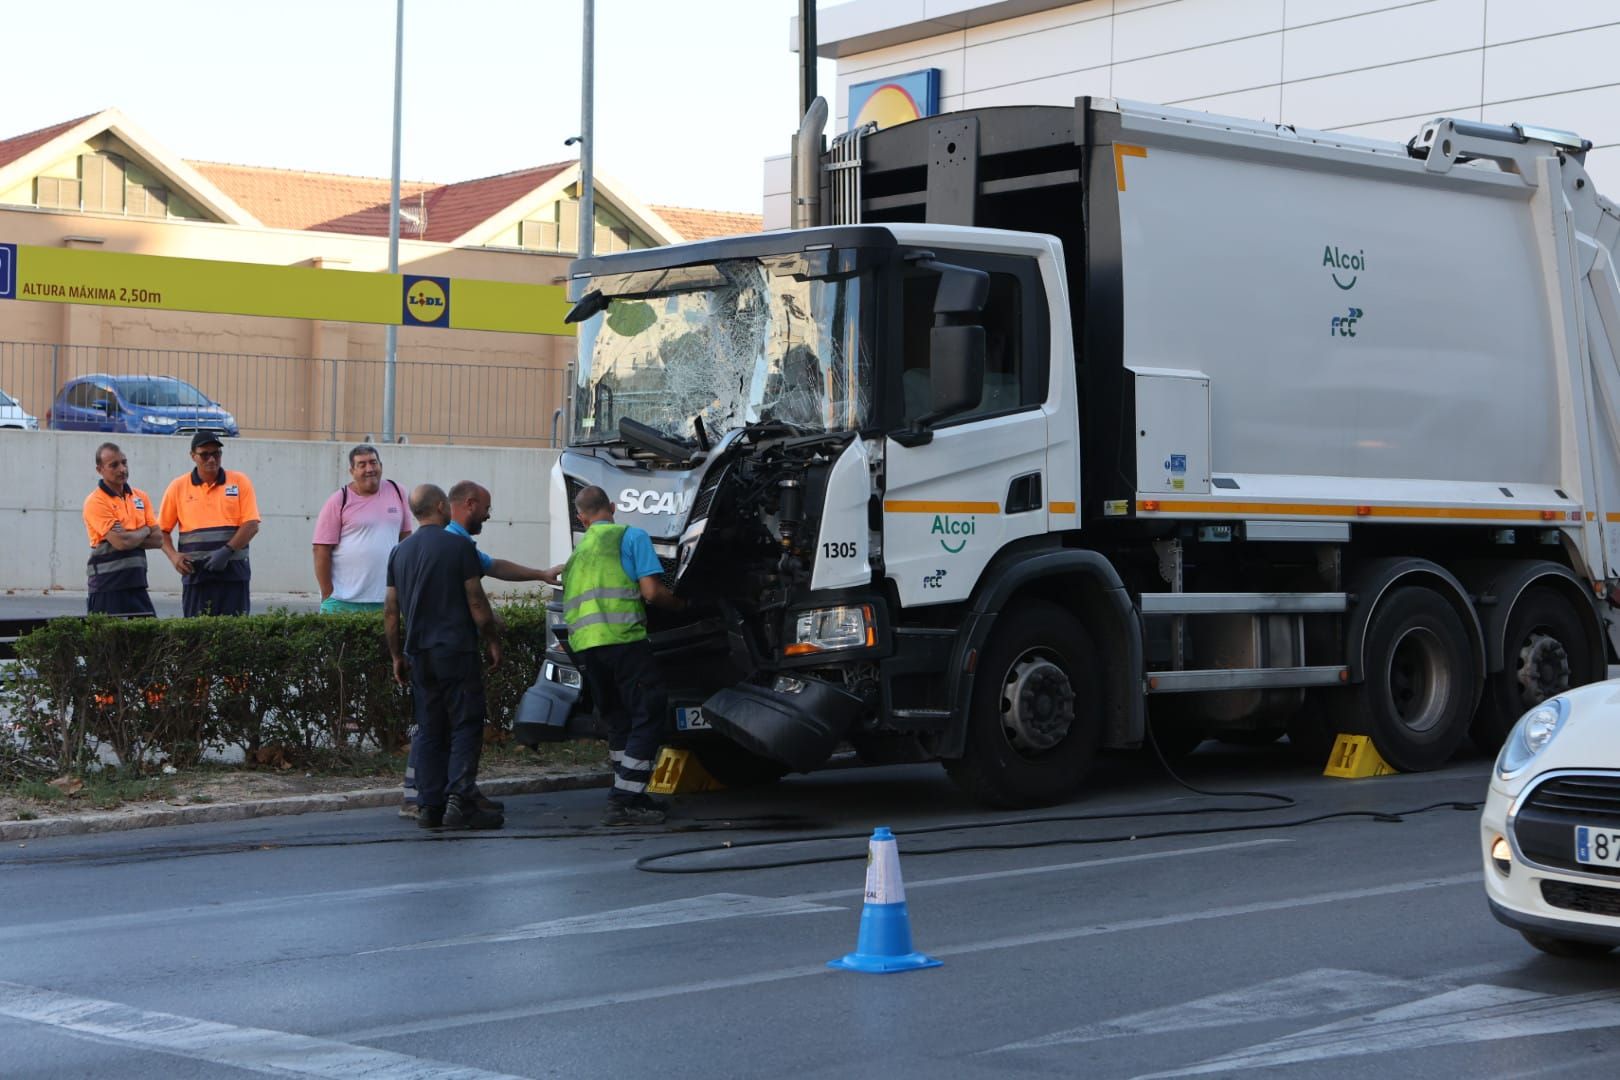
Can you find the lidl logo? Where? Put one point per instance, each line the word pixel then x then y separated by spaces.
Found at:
pixel 427 301
pixel 8 271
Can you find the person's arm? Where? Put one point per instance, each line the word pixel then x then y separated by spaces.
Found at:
pixel 489 627
pixel 181 563
pixel 511 571
pixel 323 568
pixel 656 593
pixel 402 666
pixel 244 535
pixel 127 540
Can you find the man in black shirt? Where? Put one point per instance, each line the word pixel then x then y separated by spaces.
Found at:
pixel 434 582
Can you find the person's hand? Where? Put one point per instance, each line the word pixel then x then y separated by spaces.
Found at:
pixel 217 559
pixel 183 564
pixel 494 648
pixel 402 671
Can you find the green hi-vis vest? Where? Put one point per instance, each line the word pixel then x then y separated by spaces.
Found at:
pixel 602 605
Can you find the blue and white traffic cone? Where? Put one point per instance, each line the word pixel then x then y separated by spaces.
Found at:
pixel 884 943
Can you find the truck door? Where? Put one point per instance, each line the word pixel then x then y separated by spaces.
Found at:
pixel 951 503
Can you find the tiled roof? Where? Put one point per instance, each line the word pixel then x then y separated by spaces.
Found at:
pixel 707 224
pixel 286 199
pixel 15 147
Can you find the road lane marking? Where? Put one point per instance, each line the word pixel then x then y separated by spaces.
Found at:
pixel 1292 997
pixel 690 909
pixel 567 1005
pixel 261 1050
pixel 1473 1014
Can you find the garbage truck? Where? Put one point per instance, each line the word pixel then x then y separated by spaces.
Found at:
pixel 1056 429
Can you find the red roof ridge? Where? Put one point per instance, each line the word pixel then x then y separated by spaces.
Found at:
pixel 195 162
pixel 557 165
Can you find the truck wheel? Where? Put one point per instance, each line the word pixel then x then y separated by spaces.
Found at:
pixel 1419 682
pixel 1034 721
pixel 1546 652
pixel 738 768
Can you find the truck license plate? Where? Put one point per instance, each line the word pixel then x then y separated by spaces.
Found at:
pixel 690 719
pixel 1597 847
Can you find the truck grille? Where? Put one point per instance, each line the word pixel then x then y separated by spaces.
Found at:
pixel 1544 827
pixel 1587 899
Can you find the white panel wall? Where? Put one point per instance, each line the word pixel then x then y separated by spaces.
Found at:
pixel 1374 67
pixel 48 474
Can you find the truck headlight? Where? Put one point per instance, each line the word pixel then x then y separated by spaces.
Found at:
pixel 827 629
pixel 1535 730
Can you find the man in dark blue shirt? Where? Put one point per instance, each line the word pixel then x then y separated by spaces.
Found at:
pixel 434 584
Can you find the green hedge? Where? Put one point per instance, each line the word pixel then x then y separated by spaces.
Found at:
pixel 165 690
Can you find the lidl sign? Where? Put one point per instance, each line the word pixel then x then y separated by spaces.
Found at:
pixel 120 279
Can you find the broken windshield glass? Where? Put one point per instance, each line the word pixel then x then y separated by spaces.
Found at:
pixel 731 342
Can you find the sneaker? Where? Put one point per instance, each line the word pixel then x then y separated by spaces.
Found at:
pixel 619 813
pixel 464 813
pixel 408 810
pixel 429 817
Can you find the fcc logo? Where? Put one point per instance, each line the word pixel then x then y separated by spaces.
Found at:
pixel 427 301
pixel 8 271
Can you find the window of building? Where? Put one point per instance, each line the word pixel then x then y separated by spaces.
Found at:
pixel 109 183
pixel 555 227
pixel 56 193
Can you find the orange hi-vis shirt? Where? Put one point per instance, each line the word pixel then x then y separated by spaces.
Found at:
pixel 208 516
pixel 105 510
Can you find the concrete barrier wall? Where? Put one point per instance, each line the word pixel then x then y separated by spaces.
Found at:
pixel 45 476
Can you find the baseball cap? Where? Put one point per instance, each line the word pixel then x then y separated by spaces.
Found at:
pixel 205 438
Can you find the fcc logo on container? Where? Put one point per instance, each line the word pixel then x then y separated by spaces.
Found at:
pixel 427 301
pixel 8 271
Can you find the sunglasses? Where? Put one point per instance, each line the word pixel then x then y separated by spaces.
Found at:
pixel 212 455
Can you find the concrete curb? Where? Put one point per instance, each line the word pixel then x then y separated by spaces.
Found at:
pixel 289 804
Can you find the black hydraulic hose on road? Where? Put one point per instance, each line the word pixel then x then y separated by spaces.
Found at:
pixel 651 863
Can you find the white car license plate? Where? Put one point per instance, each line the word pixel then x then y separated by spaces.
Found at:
pixel 690 719
pixel 1597 847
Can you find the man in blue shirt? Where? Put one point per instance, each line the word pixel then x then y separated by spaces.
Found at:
pixel 469 509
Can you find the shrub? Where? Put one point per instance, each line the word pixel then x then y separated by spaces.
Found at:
pixel 154 690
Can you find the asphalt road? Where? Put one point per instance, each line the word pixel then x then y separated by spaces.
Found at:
pixel 350 944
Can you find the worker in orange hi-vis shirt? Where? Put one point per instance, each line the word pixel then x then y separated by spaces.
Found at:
pixel 122 525
pixel 218 516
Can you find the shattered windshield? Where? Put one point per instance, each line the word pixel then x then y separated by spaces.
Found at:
pixel 735 342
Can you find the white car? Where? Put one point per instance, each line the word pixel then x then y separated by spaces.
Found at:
pixel 1551 826
pixel 12 415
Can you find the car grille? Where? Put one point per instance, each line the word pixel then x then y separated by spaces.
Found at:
pixel 1587 899
pixel 1544 827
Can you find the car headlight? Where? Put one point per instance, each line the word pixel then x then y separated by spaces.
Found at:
pixel 1533 733
pixel 827 629
pixel 161 421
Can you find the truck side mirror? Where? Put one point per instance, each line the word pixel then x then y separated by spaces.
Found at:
pixel 955 369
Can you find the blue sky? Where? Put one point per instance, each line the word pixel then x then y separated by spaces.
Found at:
pixel 691 95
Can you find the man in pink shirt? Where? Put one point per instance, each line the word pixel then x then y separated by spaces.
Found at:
pixel 356 529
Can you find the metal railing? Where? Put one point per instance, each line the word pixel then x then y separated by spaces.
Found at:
pixel 298 397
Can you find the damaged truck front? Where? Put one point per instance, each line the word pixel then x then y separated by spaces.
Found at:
pixel 728 405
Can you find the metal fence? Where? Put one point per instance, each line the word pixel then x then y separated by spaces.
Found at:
pixel 297 397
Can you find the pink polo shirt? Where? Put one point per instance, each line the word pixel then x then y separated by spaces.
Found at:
pixel 363 530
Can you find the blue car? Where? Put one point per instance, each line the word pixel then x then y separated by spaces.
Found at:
pixel 138 404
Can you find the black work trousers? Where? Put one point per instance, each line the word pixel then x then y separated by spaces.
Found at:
pixel 120 602
pixel 629 694
pixel 447 688
pixel 215 597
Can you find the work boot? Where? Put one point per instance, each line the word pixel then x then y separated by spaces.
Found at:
pixel 622 812
pixel 463 812
pixel 429 817
pixel 484 802
pixel 408 810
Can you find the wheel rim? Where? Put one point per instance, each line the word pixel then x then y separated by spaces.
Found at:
pixel 1543 669
pixel 1419 679
pixel 1037 704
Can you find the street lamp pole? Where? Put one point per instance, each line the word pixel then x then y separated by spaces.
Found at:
pixel 392 339
pixel 587 143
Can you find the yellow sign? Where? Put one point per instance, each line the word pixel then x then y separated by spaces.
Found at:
pixel 119 279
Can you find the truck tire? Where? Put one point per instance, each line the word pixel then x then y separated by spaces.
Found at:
pixel 735 767
pixel 1035 717
pixel 1420 680
pixel 1545 652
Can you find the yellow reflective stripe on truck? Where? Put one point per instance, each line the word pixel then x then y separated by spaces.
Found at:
pixel 911 506
pixel 1121 152
pixel 1461 513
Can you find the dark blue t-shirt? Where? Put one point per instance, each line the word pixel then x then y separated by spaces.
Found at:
pixel 429 571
